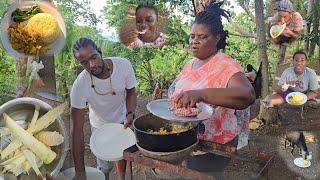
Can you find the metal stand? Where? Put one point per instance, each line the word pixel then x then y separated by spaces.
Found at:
pixel 263 159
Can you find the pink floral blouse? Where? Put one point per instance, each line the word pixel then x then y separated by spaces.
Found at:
pixel 160 41
pixel 226 123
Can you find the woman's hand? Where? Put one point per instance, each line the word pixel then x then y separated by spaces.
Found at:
pixel 127 36
pixel 285 86
pixel 188 98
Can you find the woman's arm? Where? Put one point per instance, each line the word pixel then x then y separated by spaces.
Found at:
pixel 239 94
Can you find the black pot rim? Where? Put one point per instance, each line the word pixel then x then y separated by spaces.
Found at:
pixel 146 132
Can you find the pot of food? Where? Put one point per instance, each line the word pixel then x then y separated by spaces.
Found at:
pixel 159 135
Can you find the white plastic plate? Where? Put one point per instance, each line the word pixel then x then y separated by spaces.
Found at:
pixel 55 47
pixel 109 141
pixel 91 173
pixel 300 162
pixel 161 108
pixel 305 98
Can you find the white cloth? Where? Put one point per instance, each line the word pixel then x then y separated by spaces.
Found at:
pixel 36 67
pixel 104 108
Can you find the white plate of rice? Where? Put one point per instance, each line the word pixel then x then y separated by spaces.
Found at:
pixel 45 7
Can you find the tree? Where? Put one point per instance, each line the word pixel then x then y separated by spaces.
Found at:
pixel 262 46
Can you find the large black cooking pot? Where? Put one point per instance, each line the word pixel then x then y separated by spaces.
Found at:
pixel 161 143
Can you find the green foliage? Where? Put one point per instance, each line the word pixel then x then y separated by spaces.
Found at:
pixel 65 64
pixel 244 50
pixel 152 65
pixel 73 10
pixel 7 78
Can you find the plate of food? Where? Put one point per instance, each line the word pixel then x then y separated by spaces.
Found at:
pixel 302 163
pixel 276 30
pixel 296 98
pixel 162 108
pixel 31 28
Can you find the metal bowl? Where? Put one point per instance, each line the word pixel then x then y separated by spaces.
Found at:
pixel 21 110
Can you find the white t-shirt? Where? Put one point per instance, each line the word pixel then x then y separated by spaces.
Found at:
pixel 104 108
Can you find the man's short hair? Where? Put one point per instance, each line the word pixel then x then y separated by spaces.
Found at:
pixel 300 52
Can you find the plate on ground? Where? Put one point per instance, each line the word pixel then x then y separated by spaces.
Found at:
pixel 296 98
pixel 91 173
pixel 300 162
pixel 161 108
pixel 109 141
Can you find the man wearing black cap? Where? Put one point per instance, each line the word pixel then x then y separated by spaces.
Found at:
pixel 293 20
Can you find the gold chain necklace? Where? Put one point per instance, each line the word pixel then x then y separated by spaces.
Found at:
pixel 111 89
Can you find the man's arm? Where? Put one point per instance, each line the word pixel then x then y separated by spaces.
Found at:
pixel 77 117
pixel 131 103
pixel 289 32
pixel 313 86
pixel 311 94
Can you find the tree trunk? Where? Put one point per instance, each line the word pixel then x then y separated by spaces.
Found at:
pixel 282 54
pixel 21 74
pixel 262 46
pixel 271 7
pixel 315 25
pixel 268 114
pixel 47 74
pixel 308 28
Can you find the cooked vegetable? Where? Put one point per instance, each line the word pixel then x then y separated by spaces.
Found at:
pixel 22 15
pixel 44 26
pixel 14 145
pixel 13 160
pixel 35 116
pixel 295 99
pixel 24 42
pixel 172 129
pixel 42 123
pixel 50 138
pixel 4 131
pixel 48 118
pixel 32 161
pixel 42 151
pixel 24 167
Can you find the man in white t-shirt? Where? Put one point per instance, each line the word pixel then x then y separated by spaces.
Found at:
pixel 108 86
pixel 298 78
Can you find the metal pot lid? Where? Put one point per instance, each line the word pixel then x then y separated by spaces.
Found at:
pixel 161 108
pixel 109 141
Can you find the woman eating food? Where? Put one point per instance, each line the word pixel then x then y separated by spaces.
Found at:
pixel 146 32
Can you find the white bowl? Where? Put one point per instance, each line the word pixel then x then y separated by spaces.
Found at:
pixel 55 47
pixel 283 26
pixel 91 173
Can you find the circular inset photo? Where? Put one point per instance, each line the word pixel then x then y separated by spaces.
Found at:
pixel 31 28
pixel 299 150
pixel 145 26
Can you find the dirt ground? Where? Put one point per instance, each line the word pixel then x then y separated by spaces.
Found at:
pixel 268 138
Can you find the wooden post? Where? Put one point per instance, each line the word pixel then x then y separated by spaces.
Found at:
pixel 47 74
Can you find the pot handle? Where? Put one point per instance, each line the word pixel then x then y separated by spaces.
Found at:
pixel 201 128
